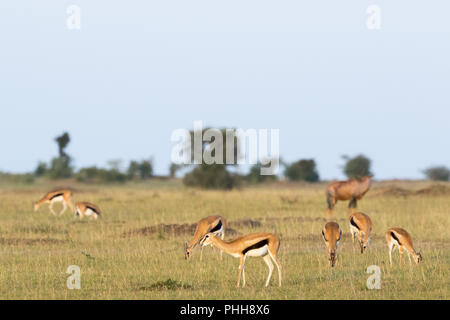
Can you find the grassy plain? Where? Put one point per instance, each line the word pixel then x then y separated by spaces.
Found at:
pixel 136 250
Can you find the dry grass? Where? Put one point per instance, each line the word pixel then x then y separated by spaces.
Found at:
pixel 136 250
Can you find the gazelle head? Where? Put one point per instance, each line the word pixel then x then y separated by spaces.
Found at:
pixel 364 242
pixel 418 258
pixel 331 235
pixel 187 251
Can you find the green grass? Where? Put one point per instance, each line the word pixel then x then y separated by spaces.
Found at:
pixel 118 261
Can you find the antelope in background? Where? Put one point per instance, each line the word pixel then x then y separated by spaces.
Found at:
pixel 361 227
pixel 331 234
pixel 352 190
pixel 62 195
pixel 212 224
pixel 263 245
pixel 398 237
pixel 87 209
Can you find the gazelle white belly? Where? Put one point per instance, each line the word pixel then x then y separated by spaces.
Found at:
pixel 258 252
pixel 90 212
pixel 58 199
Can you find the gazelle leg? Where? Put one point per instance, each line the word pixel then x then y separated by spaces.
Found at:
pixel 63 209
pixel 269 263
pixel 274 258
pixel 241 266
pixel 221 252
pixel 409 256
pixel 50 206
pixel 391 248
pixel 400 249
pixel 243 275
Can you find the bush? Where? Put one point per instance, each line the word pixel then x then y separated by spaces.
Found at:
pixel 140 170
pixel 98 175
pixel 303 170
pixel 16 178
pixel 214 176
pixel 357 167
pixel 255 176
pixel 41 169
pixel 60 168
pixel 439 173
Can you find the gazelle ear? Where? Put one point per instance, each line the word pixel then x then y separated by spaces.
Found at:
pixel 323 236
pixel 185 246
pixel 340 234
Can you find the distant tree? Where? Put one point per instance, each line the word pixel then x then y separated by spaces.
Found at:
pixel 302 170
pixel 357 167
pixel 438 173
pixel 255 176
pixel 61 167
pixel 214 175
pixel 62 142
pixel 140 170
pixel 146 169
pixel 41 169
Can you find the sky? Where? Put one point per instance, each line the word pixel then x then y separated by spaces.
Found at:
pixel 137 70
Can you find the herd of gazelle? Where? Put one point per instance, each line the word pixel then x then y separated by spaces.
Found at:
pixel 210 231
pixel 64 196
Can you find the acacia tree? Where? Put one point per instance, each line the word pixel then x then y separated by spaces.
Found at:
pixel 357 167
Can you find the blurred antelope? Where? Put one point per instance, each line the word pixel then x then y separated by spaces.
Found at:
pixel 352 190
pixel 211 224
pixel 63 195
pixel 87 209
pixel 331 234
pixel 263 245
pixel 398 237
pixel 361 227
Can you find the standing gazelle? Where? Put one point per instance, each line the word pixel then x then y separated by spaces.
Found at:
pixel 361 227
pixel 264 245
pixel 331 234
pixel 62 195
pixel 211 224
pixel 87 209
pixel 398 237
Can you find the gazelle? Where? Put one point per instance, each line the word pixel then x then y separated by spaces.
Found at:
pixel 331 234
pixel 398 237
pixel 87 209
pixel 361 227
pixel 263 245
pixel 352 190
pixel 63 195
pixel 211 224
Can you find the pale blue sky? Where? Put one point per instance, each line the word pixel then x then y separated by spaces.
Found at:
pixel 137 70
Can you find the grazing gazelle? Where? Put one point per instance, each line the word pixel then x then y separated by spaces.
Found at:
pixel 63 195
pixel 352 190
pixel 264 245
pixel 87 209
pixel 361 227
pixel 331 234
pixel 211 224
pixel 398 237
